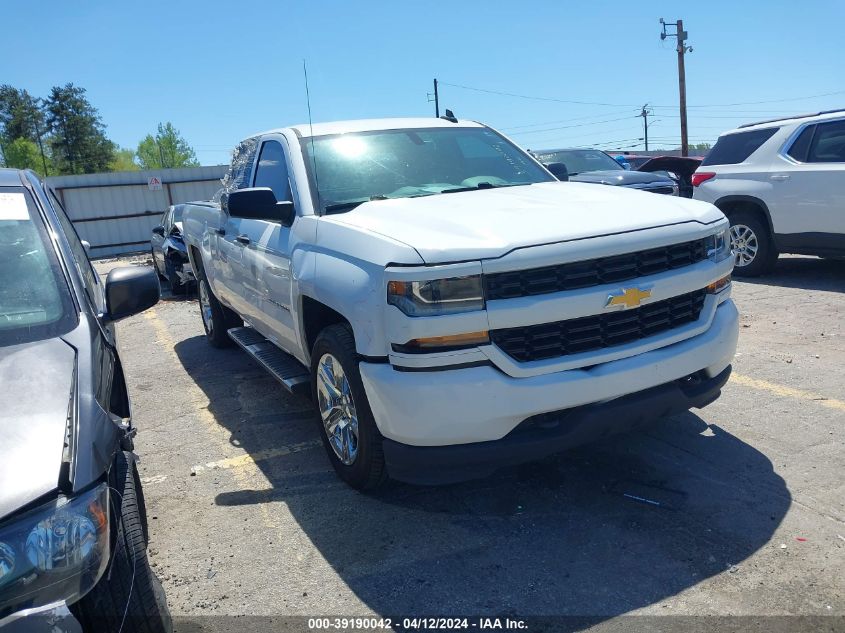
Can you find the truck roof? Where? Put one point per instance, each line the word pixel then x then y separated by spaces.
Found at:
pixel 367 125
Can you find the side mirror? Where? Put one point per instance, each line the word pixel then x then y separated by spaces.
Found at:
pixel 558 170
pixel 259 203
pixel 130 290
pixel 158 230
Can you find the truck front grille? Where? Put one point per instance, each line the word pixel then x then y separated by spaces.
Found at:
pixel 593 272
pixel 600 331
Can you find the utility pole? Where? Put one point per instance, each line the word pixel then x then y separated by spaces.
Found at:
pixel 644 114
pixel 41 147
pixel 434 97
pixel 681 35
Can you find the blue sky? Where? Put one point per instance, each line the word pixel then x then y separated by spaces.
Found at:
pixel 223 70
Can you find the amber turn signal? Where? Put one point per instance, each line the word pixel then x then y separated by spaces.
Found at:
pixel 718 285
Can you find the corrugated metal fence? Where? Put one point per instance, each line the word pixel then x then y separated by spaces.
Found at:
pixel 116 212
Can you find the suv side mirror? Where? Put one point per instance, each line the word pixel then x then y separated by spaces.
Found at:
pixel 130 290
pixel 158 230
pixel 558 170
pixel 259 203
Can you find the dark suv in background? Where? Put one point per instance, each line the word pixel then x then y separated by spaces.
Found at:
pixel 73 529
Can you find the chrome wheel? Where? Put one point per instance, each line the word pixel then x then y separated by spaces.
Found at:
pixel 205 307
pixel 337 409
pixel 744 244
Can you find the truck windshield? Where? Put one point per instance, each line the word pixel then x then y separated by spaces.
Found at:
pixel 349 169
pixel 578 161
pixel 34 299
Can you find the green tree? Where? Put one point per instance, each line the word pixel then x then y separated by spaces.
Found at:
pixel 78 140
pixel 166 149
pixel 22 154
pixel 702 147
pixel 124 160
pixel 20 115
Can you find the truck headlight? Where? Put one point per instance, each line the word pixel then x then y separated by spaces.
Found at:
pixel 437 296
pixel 54 552
pixel 719 245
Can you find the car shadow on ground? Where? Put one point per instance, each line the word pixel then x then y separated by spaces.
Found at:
pixel 595 532
pixel 808 273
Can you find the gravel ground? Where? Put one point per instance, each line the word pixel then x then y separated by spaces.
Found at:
pixel 248 519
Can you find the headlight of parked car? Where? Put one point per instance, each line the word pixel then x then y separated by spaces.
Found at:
pixel 719 245
pixel 437 296
pixel 55 552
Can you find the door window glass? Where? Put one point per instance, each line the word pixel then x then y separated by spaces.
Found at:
pixel 272 170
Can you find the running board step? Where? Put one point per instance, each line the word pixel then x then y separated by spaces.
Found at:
pixel 285 368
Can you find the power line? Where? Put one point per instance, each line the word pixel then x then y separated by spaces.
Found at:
pixel 632 105
pixel 566 127
pixel 582 118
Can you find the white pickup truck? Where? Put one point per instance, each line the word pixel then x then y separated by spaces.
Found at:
pixel 449 306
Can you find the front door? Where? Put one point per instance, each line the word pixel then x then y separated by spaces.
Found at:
pixel 266 263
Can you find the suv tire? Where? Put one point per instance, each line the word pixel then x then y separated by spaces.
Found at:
pixel 128 597
pixel 751 240
pixel 354 445
pixel 217 319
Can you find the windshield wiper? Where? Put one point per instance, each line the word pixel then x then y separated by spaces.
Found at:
pixel 482 185
pixel 351 204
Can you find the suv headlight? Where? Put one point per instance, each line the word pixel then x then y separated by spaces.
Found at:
pixel 437 296
pixel 719 245
pixel 55 552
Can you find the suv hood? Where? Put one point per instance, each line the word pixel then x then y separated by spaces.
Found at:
pixel 37 379
pixel 620 177
pixel 489 223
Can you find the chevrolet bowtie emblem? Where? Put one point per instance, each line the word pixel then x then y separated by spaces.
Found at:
pixel 627 298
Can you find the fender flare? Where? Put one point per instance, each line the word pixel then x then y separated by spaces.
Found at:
pixel 752 200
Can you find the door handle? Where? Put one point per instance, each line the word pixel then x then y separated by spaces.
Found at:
pixel 780 177
pixel 220 231
pixel 243 239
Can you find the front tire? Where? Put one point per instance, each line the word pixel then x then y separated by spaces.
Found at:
pixel 350 435
pixel 217 319
pixel 129 597
pixel 751 241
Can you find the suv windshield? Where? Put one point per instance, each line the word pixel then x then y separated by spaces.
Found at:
pixel 34 298
pixel 578 161
pixel 406 163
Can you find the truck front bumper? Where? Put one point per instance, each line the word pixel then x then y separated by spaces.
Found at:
pixel 457 411
pixel 51 618
pixel 549 433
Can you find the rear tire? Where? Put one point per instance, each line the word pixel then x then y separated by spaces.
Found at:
pixel 355 446
pixel 750 239
pixel 217 319
pixel 129 597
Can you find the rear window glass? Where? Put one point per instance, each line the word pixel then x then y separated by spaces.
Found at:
pixel 736 148
pixel 828 143
pixel 34 299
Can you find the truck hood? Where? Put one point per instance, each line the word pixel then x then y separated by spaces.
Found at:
pixel 620 177
pixel 37 380
pixel 489 223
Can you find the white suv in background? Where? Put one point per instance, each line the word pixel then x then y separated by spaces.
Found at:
pixel 781 183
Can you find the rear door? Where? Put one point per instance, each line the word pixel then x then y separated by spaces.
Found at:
pixel 266 256
pixel 808 188
pixel 230 278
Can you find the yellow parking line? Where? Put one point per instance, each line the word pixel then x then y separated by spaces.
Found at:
pixel 788 392
pixel 258 456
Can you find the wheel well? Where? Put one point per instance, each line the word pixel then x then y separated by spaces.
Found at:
pixel 316 317
pixel 748 205
pixel 196 258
